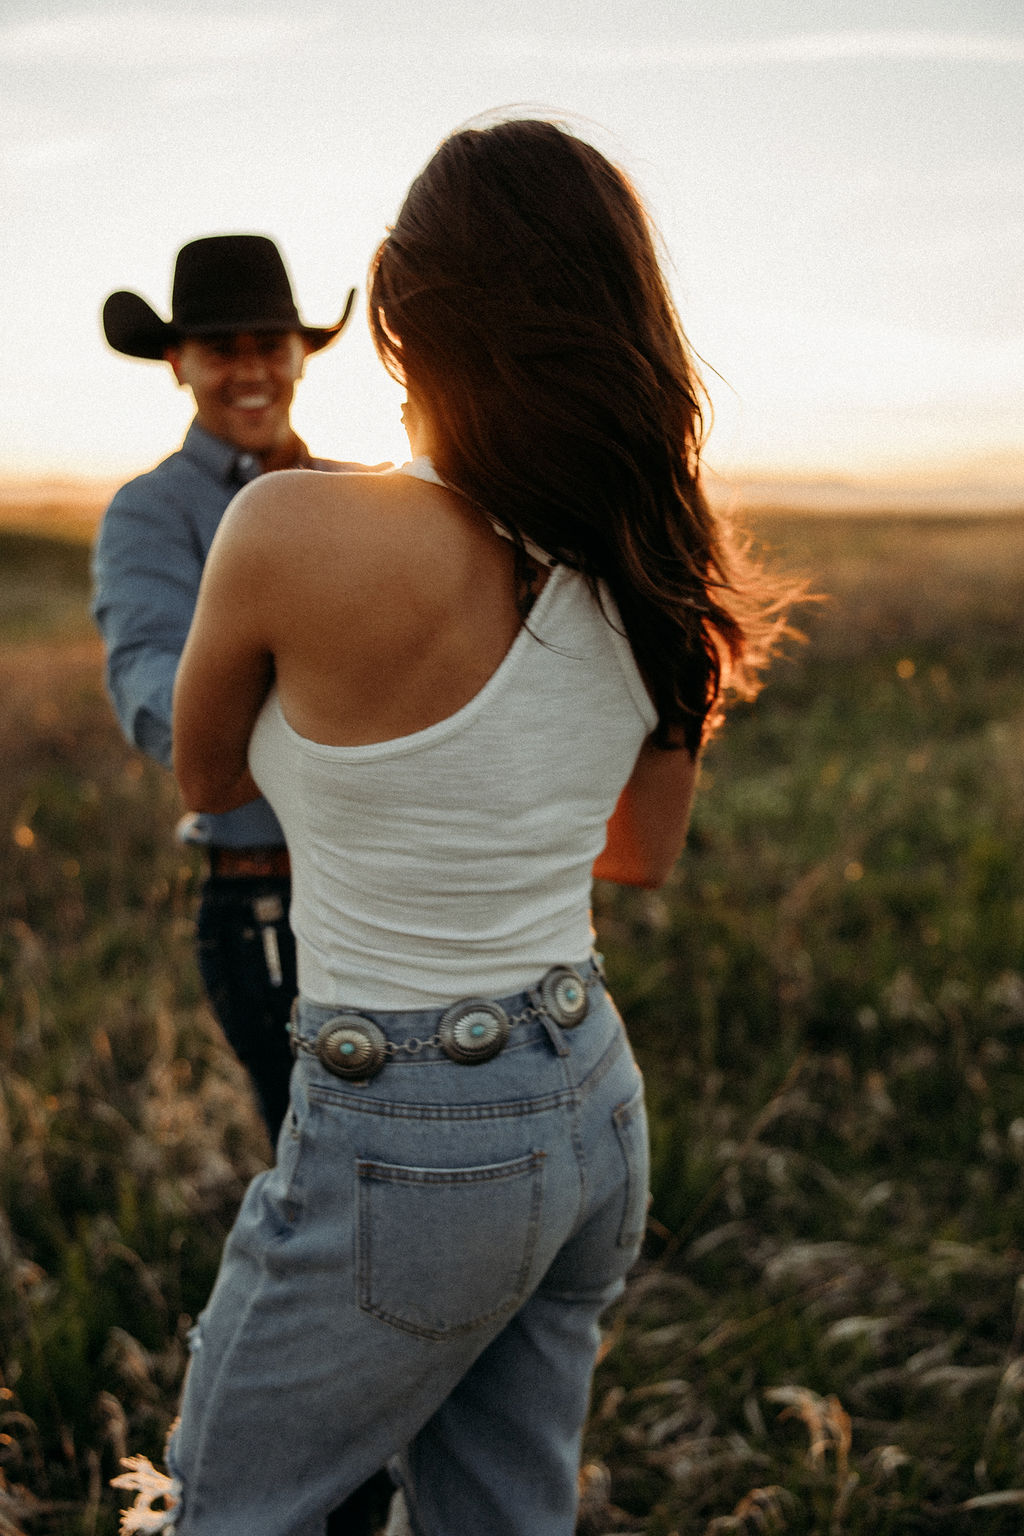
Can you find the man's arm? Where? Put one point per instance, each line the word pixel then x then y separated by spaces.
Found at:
pixel 226 668
pixel 647 830
pixel 146 571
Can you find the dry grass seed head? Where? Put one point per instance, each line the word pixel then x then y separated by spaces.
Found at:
pixel 826 1420
pixel 887 1460
pixel 1002 1498
pixel 150 1487
pixel 762 1510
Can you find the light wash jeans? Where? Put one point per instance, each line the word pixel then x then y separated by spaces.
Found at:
pixel 420 1277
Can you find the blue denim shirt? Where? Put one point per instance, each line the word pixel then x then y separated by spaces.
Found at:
pixel 147 563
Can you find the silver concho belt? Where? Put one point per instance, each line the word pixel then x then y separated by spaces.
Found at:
pixel 469 1032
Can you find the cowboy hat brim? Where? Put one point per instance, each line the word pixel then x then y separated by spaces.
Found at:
pixel 133 327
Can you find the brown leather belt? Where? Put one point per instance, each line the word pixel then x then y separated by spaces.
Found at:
pixel 249 863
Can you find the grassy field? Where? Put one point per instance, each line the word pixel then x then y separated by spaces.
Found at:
pixel 826 1334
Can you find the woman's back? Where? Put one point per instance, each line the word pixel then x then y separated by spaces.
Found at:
pixel 455 856
pixel 391 602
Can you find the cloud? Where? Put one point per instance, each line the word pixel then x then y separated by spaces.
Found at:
pixel 853 360
pixel 54 153
pixel 795 48
pixel 111 38
pixel 826 47
pixel 192 86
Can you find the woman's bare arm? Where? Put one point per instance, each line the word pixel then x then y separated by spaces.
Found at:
pixel 226 668
pixel 647 830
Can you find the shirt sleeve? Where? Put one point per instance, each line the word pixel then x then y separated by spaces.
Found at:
pixel 146 571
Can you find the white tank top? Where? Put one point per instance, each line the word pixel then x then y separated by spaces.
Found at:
pixel 456 861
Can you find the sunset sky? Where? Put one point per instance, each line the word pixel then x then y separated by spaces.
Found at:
pixel 840 188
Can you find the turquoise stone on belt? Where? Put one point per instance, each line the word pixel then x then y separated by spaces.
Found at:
pixel 564 994
pixel 351 1046
pixel 473 1031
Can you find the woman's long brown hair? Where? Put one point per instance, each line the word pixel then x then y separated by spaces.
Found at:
pixel 520 298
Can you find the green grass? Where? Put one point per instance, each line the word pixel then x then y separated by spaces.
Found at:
pixel 826 1333
pixel 42 584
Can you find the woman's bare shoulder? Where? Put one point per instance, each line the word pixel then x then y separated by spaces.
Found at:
pixel 300 509
pixel 306 526
pixel 305 493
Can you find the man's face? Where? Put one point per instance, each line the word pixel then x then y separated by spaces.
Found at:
pixel 243 385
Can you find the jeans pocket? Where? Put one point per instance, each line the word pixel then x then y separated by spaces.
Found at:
pixel 631 1128
pixel 446 1250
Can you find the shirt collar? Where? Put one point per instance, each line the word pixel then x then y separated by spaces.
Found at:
pixel 224 461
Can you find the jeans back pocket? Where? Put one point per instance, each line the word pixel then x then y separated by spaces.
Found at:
pixel 446 1250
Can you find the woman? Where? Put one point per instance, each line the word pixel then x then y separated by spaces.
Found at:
pixel 459 684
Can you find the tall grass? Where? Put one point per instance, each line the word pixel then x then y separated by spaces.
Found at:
pixel 825 1334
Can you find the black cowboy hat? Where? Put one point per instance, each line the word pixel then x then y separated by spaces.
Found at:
pixel 222 284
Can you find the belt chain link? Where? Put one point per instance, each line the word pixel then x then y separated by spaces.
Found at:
pixel 414 1045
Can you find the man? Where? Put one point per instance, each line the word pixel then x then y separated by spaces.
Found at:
pixel 236 341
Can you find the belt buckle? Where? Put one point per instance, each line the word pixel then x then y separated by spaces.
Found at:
pixel 564 995
pixel 473 1031
pixel 352 1047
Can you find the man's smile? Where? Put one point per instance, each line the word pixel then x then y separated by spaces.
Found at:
pixel 251 402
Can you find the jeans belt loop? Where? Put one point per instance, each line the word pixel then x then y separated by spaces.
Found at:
pixel 559 1044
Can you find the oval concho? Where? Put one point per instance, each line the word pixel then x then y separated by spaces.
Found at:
pixel 351 1046
pixel 473 1031
pixel 564 994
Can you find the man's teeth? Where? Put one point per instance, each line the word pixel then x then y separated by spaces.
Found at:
pixel 252 402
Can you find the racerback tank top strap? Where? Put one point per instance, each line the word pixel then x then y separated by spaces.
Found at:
pixel 422 468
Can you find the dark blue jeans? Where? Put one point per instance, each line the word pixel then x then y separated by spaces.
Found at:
pixel 246 954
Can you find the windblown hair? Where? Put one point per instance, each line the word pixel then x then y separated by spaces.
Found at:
pixel 519 297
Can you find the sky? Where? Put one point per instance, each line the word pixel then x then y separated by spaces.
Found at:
pixel 839 188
